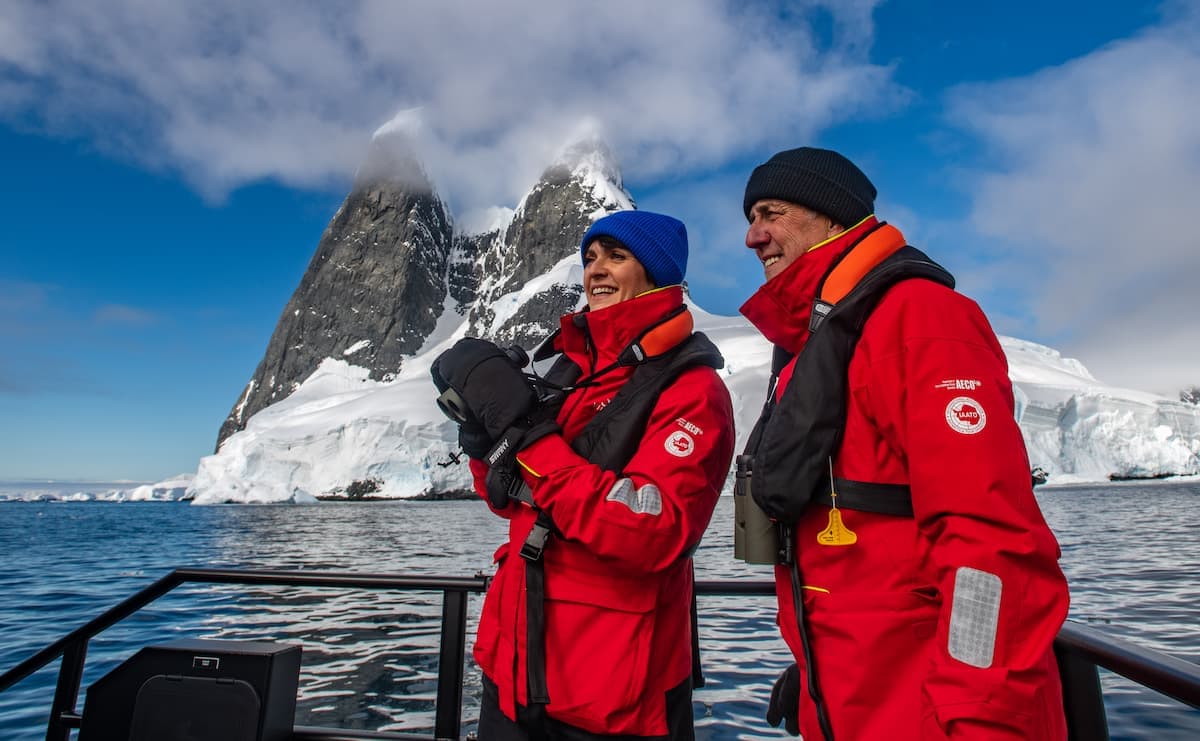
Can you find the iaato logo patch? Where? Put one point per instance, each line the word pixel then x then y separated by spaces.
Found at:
pixel 965 415
pixel 680 444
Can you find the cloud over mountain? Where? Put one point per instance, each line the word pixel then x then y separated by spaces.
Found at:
pixel 227 93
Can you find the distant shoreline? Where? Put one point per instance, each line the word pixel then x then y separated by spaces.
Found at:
pixel 440 496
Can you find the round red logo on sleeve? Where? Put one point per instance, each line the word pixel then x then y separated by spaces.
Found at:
pixel 965 415
pixel 680 444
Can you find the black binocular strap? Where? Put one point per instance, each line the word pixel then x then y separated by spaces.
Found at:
pixel 697 669
pixel 535 649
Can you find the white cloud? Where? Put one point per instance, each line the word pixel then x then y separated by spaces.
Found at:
pixel 120 314
pixel 718 262
pixel 1094 194
pixel 227 93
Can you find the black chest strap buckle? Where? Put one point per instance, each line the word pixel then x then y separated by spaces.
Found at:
pixel 535 543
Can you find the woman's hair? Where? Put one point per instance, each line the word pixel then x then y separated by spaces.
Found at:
pixel 612 243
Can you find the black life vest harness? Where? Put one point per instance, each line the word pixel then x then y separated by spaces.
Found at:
pixel 610 439
pixel 794 440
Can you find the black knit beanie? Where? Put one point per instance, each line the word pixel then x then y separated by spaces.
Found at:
pixel 819 179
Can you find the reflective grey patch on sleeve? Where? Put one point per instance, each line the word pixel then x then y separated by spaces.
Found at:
pixel 974 617
pixel 622 492
pixel 645 501
pixel 649 500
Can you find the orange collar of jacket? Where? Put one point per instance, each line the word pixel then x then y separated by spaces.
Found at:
pixel 872 250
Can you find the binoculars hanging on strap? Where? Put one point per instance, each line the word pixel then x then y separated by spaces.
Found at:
pixel 755 536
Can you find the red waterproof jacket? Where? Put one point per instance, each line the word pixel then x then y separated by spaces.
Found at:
pixel 618 581
pixel 900 653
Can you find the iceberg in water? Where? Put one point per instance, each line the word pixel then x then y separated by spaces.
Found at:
pixel 1080 430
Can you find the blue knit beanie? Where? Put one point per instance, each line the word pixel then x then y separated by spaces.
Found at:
pixel 659 242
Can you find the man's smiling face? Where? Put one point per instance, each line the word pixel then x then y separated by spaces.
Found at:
pixel 780 232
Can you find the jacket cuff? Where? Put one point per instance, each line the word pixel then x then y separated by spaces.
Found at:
pixel 546 455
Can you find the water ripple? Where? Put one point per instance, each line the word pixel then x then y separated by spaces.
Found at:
pixel 370 658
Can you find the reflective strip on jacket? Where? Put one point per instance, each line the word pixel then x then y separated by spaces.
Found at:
pixel 930 405
pixel 618 580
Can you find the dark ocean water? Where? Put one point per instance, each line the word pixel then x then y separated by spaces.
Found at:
pixel 1130 552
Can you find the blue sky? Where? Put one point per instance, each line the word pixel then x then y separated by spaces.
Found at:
pixel 167 173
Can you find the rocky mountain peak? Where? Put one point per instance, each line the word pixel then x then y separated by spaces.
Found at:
pixel 390 264
pixel 590 159
pixel 392 158
pixel 372 292
pixel 583 184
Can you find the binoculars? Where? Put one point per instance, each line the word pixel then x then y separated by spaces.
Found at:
pixel 451 402
pixel 755 536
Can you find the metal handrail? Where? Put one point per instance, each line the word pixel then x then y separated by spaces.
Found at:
pixel 448 707
pixel 1080 650
pixel 1171 676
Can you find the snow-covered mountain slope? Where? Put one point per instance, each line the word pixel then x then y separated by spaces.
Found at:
pixel 340 427
pixel 342 402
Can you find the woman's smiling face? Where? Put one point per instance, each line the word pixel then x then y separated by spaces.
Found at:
pixel 611 274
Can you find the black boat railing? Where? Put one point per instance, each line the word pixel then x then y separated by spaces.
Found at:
pixel 1081 651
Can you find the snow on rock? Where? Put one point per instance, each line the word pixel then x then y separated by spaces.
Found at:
pixel 360 345
pixel 567 271
pixel 339 427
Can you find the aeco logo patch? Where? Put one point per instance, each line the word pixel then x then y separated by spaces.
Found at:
pixel 680 444
pixel 965 415
pixel 959 384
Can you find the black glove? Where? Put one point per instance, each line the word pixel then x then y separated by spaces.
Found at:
pixel 503 481
pixel 486 381
pixel 502 484
pixel 474 439
pixel 785 701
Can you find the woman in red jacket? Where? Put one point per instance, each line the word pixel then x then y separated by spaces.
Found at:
pixel 586 629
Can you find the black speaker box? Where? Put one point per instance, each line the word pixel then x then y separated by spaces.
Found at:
pixel 196 690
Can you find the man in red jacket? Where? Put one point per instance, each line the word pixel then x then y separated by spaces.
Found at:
pixel 923 592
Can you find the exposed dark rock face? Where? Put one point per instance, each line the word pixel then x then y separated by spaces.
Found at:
pixel 372 293
pixel 388 266
pixel 464 269
pixel 538 317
